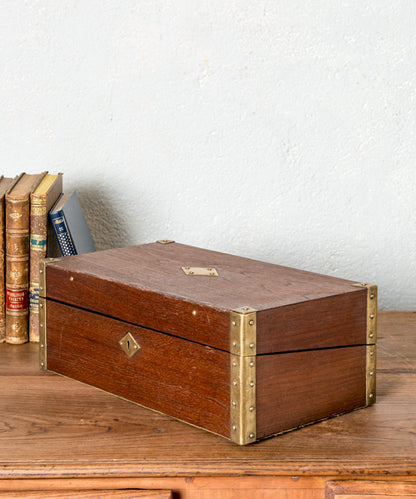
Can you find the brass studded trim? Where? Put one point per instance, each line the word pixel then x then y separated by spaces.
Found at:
pixel 243 399
pixel 243 331
pixel 43 358
pixel 371 374
pixel 371 349
pixel 42 312
pixel 371 314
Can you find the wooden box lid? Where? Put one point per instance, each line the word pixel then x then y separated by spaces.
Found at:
pixel 151 285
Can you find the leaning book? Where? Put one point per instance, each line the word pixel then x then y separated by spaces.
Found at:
pixel 41 201
pixel 5 185
pixel 70 226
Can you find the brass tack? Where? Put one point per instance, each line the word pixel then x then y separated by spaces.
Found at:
pixel 234 323
pixel 193 312
pixel 40 271
pixel 371 373
pixel 251 364
pixel 42 346
pixel 211 273
pixel 191 271
pixel 245 308
pixel 235 383
pixel 40 305
pixel 234 427
pixel 41 324
pixel 234 403
pixel 234 343
pixel 371 395
pixel 235 364
pixel 42 364
pixel 210 268
pixel 363 284
pixel 372 316
pixel 71 278
pixel 372 296
pixel 251 322
pixel 251 409
pixel 251 435
pixel 187 268
pixel 371 335
pixel 252 383
pixel 251 345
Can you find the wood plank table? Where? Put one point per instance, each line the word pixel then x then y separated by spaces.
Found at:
pixel 60 438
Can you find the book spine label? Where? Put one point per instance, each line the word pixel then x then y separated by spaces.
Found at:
pixel 17 299
pixel 63 234
pixel 17 269
pixel 37 251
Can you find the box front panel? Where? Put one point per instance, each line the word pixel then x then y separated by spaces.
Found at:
pixel 180 378
pixel 298 388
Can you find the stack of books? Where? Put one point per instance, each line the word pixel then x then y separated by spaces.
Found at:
pixel 32 208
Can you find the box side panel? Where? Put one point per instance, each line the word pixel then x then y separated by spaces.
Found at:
pixel 295 389
pixel 328 322
pixel 185 380
pixel 194 321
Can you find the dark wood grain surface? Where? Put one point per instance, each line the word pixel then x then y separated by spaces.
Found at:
pixel 177 377
pixel 52 426
pixel 299 387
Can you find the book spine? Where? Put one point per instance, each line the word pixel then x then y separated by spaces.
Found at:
pixel 63 235
pixel 17 269
pixel 37 251
pixel 2 276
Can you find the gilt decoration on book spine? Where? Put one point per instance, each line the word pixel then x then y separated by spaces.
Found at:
pixel 2 283
pixel 17 270
pixel 37 251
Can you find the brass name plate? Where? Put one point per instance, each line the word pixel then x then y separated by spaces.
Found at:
pixel 200 271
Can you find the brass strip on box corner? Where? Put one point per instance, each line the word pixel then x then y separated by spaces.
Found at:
pixel 371 314
pixel 165 241
pixel 243 331
pixel 43 358
pixel 371 364
pixel 42 274
pixel 243 399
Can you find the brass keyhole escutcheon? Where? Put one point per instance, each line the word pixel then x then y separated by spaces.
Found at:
pixel 129 345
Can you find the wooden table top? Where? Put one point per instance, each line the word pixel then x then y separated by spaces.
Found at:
pixel 51 426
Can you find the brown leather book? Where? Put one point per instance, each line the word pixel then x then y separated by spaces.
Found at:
pixel 5 185
pixel 17 256
pixel 41 201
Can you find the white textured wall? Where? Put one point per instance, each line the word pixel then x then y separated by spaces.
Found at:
pixel 280 130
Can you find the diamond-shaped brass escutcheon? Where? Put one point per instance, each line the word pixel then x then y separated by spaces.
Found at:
pixel 129 345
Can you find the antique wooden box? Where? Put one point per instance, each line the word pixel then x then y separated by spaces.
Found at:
pixel 241 348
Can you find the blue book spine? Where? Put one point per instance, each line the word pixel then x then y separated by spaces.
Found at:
pixel 62 233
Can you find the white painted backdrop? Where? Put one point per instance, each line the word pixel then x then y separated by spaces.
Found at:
pixel 279 130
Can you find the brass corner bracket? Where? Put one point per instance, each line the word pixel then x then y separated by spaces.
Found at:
pixel 243 331
pixel 243 346
pixel 43 357
pixel 371 348
pixel 371 364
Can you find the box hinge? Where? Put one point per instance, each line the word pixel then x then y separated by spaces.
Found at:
pixel 243 331
pixel 243 399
